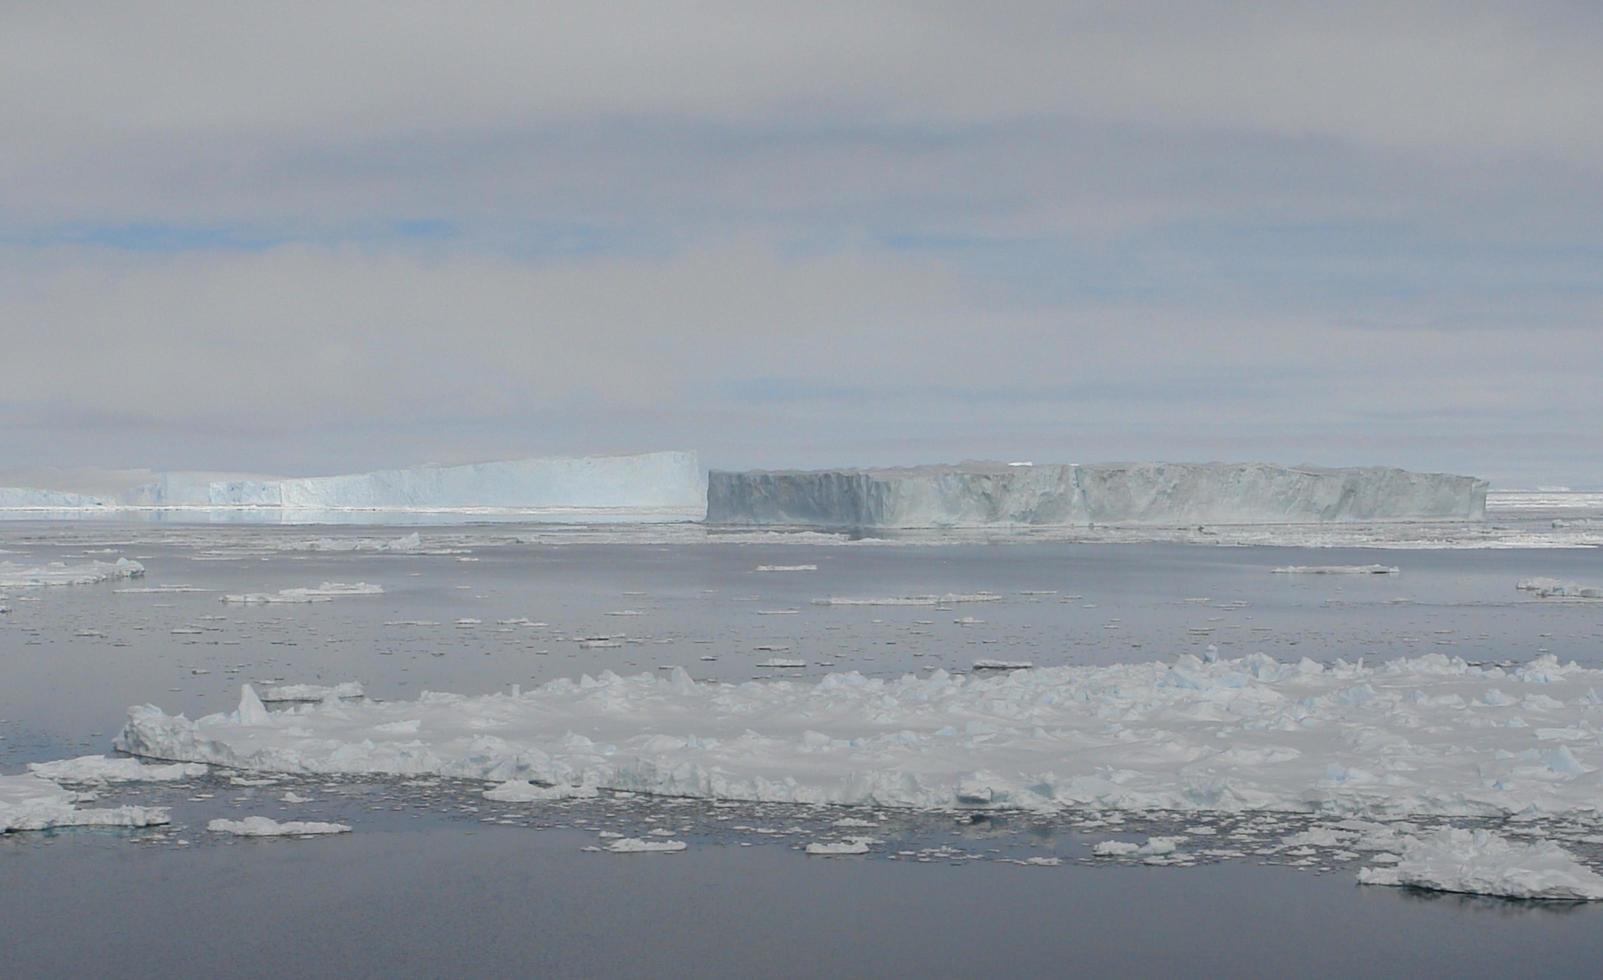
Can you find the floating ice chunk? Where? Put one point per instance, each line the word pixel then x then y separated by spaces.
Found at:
pixel 852 845
pixel 951 598
pixel 1002 665
pixel 1115 848
pixel 268 827
pixel 105 769
pixel 326 592
pixel 14 576
pixel 283 693
pixel 784 663
pixel 634 845
pixel 1479 862
pixel 404 544
pixel 1338 570
pixel 31 802
pixel 524 791
pixel 1552 588
pixel 787 568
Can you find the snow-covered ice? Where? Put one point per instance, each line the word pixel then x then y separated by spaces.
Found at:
pixel 1480 862
pixel 1427 735
pixel 268 827
pixel 523 791
pixel 634 845
pixel 853 845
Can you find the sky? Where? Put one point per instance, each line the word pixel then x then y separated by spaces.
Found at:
pixel 311 238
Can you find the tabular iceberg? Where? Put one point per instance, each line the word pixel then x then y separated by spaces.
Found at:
pixel 669 481
pixel 1103 493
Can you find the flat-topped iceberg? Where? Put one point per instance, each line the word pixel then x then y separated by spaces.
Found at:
pixel 670 481
pixel 1431 735
pixel 32 802
pixel 1104 493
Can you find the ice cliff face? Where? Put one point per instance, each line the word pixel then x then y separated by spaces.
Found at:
pixel 1104 493
pixel 666 480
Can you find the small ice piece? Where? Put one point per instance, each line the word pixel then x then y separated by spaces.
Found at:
pixel 787 568
pixel 524 791
pixel 106 769
pixel 851 845
pixel 634 845
pixel 1002 665
pixel 268 827
pixel 311 693
pixel 950 598
pixel 1338 570
pixel 1479 862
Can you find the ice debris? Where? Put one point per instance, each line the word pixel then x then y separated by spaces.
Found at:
pixel 268 827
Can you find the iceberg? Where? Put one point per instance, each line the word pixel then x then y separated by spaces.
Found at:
pixel 1479 862
pixel 1172 494
pixel 668 481
pixel 32 802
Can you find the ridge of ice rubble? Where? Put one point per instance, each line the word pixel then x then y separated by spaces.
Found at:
pixel 32 802
pixel 268 827
pixel 1103 493
pixel 1431 735
pixel 1479 862
pixel 1552 588
pixel 14 576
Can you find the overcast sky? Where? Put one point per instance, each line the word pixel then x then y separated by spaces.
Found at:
pixel 306 238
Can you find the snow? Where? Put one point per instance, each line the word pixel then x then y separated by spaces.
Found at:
pixel 1428 735
pixel 283 693
pixel 1106 493
pixel 1338 570
pixel 14 576
pixel 1479 862
pixel 31 802
pixel 634 845
pixel 1552 588
pixel 326 592
pixel 268 827
pixel 105 769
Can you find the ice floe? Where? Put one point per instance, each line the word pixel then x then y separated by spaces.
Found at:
pixel 300 693
pixel 1338 570
pixel 1552 588
pixel 107 769
pixel 1428 735
pixel 634 845
pixel 326 592
pixel 1480 862
pixel 31 802
pixel 15 576
pixel 268 827
pixel 950 598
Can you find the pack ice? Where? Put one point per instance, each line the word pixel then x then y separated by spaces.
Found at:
pixel 1105 493
pixel 1431 735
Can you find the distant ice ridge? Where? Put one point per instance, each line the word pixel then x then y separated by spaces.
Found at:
pixel 1431 735
pixel 1105 493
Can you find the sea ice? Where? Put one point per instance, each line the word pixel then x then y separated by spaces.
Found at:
pixel 1552 588
pixel 296 693
pixel 1338 570
pixel 853 845
pixel 634 845
pixel 1479 862
pixel 523 791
